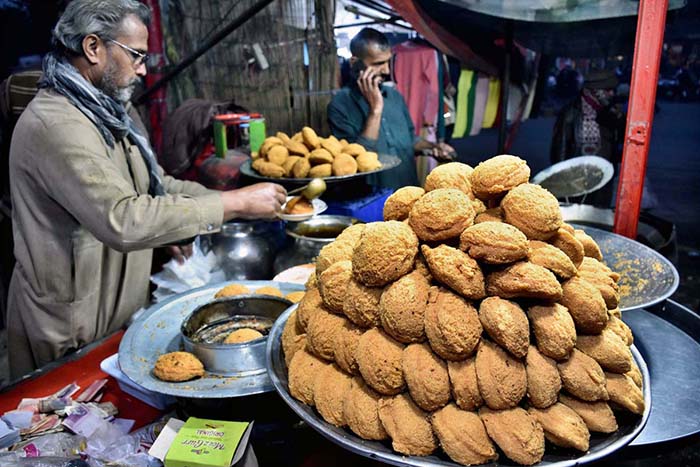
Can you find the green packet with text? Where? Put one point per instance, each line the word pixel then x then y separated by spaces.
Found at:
pixel 208 443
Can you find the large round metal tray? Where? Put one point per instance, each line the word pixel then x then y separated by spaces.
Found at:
pixel 600 445
pixel 388 162
pixel 157 332
pixel 575 177
pixel 646 276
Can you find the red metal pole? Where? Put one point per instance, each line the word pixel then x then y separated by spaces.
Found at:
pixel 645 76
pixel 157 106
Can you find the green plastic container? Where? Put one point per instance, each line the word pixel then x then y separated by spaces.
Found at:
pixel 257 133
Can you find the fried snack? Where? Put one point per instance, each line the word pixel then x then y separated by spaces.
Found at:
pixel 344 164
pixel 635 374
pixel 303 370
pixel 295 297
pixel 332 145
pixel 462 436
pixel 385 252
pixel 562 426
pixel 615 312
pixel 407 425
pixel 517 433
pixel 455 269
pixel 479 206
pixel 505 322
pixel 340 250
pixel 402 308
pixel 297 137
pixel 624 393
pixel 310 137
pixel 368 161
pixel 354 149
pixel 293 338
pixel 288 165
pixel 552 258
pixel 322 332
pixel 361 304
pixel 345 347
pixel 497 175
pixel 309 306
pixel 268 169
pixel 566 242
pixel 269 290
pixel 524 279
pixel 361 411
pixel 451 324
pixel 598 416
pixel 426 377
pixel 379 361
pixel 603 279
pixel 451 175
pixel 177 367
pixel 465 388
pixel 330 390
pixel 277 155
pixel 532 209
pixel 399 204
pixel 441 214
pixel 422 267
pixel 543 381
pixel 333 283
pixel 321 170
pixel 301 168
pixel 232 290
pixel 590 247
pixel 586 305
pixel 582 377
pixel 298 148
pixel 502 379
pixel 269 142
pixel 608 349
pixel 554 329
pixel 494 242
pixel 242 335
pixel 490 215
pixel 283 136
pixel 320 156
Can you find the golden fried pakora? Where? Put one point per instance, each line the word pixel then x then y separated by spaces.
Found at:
pixel 303 370
pixel 582 377
pixel 268 169
pixel 310 137
pixel 311 304
pixel 543 380
pixel 361 304
pixel 490 215
pixel 552 258
pixel 177 367
pixel 526 280
pixel 533 210
pixel 345 347
pixel 333 282
pixel 554 329
pixel 295 297
pixel 232 290
pixel 590 247
pixel 268 290
pixel 451 175
pixel 331 387
pixel 585 304
pixel 354 149
pixel 598 416
pixel 320 156
pixel 498 175
pixel 278 155
pixel 624 393
pixel 361 411
pixel 242 335
pixel 399 204
pixel 293 337
pixel 332 145
pixel 602 278
pixel 288 165
pixel 451 324
pixel 301 168
pixel 501 377
pixel 322 332
pixel 494 243
pixel 407 425
pixel 298 148
pixel 385 252
pixel 562 426
pixel 566 242
pixel 344 164
pixel 465 387
pixel 441 214
pixel 321 170
pixel 463 436
pixel 506 323
pixel 455 269
pixel 516 432
pixel 426 377
pixel 608 349
pixel 402 308
pixel 379 361
pixel 368 162
pixel 268 143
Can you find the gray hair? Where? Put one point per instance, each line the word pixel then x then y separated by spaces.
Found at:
pixel 100 17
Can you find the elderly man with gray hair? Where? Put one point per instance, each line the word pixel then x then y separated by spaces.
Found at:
pixel 89 199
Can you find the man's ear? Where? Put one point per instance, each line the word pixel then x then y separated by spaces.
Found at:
pixel 91 48
pixel 353 59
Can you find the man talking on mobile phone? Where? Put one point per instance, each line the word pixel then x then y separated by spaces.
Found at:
pixel 375 115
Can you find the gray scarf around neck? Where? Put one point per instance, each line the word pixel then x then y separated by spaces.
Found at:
pixel 109 116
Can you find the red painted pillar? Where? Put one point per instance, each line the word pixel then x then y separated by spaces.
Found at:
pixel 645 75
pixel 157 105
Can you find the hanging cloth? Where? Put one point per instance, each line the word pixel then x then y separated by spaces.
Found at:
pixel 441 97
pixel 492 103
pixel 464 86
pixel 480 98
pixel 416 74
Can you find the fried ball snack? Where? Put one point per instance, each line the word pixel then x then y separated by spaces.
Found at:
pixel 303 370
pixel 301 168
pixel 498 175
pixel 562 426
pixel 552 258
pixel 402 308
pixel 399 204
pixel 309 306
pixel 598 416
pixel 505 322
pixel 455 269
pixel 283 136
pixel 293 338
pixel 269 142
pixel 361 411
pixel 624 393
pixel 379 361
pixel 310 137
pixel 590 247
pixel 368 162
pixel 635 374
pixel 494 242
pixel 554 329
pixel 407 426
pixel 490 215
pixel 320 156
pixel 330 390
pixel 451 324
pixel 479 206
pixel 295 297
pixel 332 145
pixel 586 305
pixel 361 304
pixel 340 250
pixel 532 209
pixel 465 388
pixel 268 169
pixel 385 252
pixel 543 381
pixel 516 432
pixel 615 312
pixel 422 267
pixel 605 280
pixel 354 149
pixel 345 347
pixel 288 165
pixel 608 349
pixel 177 367
pixel 462 436
pixel 441 214
pixel 566 242
pixel 344 165
pixel 582 377
pixel 502 379
pixel 333 283
pixel 524 279
pixel 278 155
pixel 297 137
pixel 242 335
pixel 451 175
pixel 322 332
pixel 269 290
pixel 320 171
pixel 426 377
pixel 232 290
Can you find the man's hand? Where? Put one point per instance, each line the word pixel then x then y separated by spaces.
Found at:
pixel 259 201
pixel 444 152
pixel 369 82
pixel 180 253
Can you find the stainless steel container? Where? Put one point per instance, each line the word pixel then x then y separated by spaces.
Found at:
pixel 206 327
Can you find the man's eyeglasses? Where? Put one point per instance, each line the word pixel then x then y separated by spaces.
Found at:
pixel 138 58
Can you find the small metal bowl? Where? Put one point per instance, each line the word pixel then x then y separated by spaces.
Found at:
pixel 205 329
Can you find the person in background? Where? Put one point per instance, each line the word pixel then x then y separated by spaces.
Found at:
pixel 89 200
pixel 375 115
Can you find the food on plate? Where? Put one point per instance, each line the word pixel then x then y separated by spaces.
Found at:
pixel 619 327
pixel 301 168
pixel 268 169
pixel 385 252
pixel 341 249
pixel 608 349
pixel 278 155
pixel 562 426
pixel 501 377
pixel 399 204
pixel 566 242
pixel 498 175
pixel 451 175
pixel 524 280
pixel 379 361
pixel 506 323
pixel 636 375
pixel 310 137
pixel 269 142
pixel 516 432
pixel 361 304
pixel 494 242
pixel 354 149
pixel 308 306
pixel 295 297
pixel 269 290
pixel 533 210
pixel 402 308
pixel 582 377
pixel 320 156
pixel 293 338
pixel 330 389
pixel 489 215
pixel 321 170
pixel 344 165
pixel 552 258
pixel 464 385
pixel 368 162
pixel 407 426
pixel 462 436
pixel 177 367
pixel 426 377
pixel 303 370
pixel 586 305
pixel 242 335
pixel 452 325
pixel 455 269
pixel 298 205
pixel 288 165
pixel 332 145
pixel 441 214
pixel 543 381
pixel 345 347
pixel 332 284
pixel 590 247
pixel 361 411
pixel 624 393
pixel 321 333
pixel 604 279
pixel 598 416
pixel 554 329
pixel 232 290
